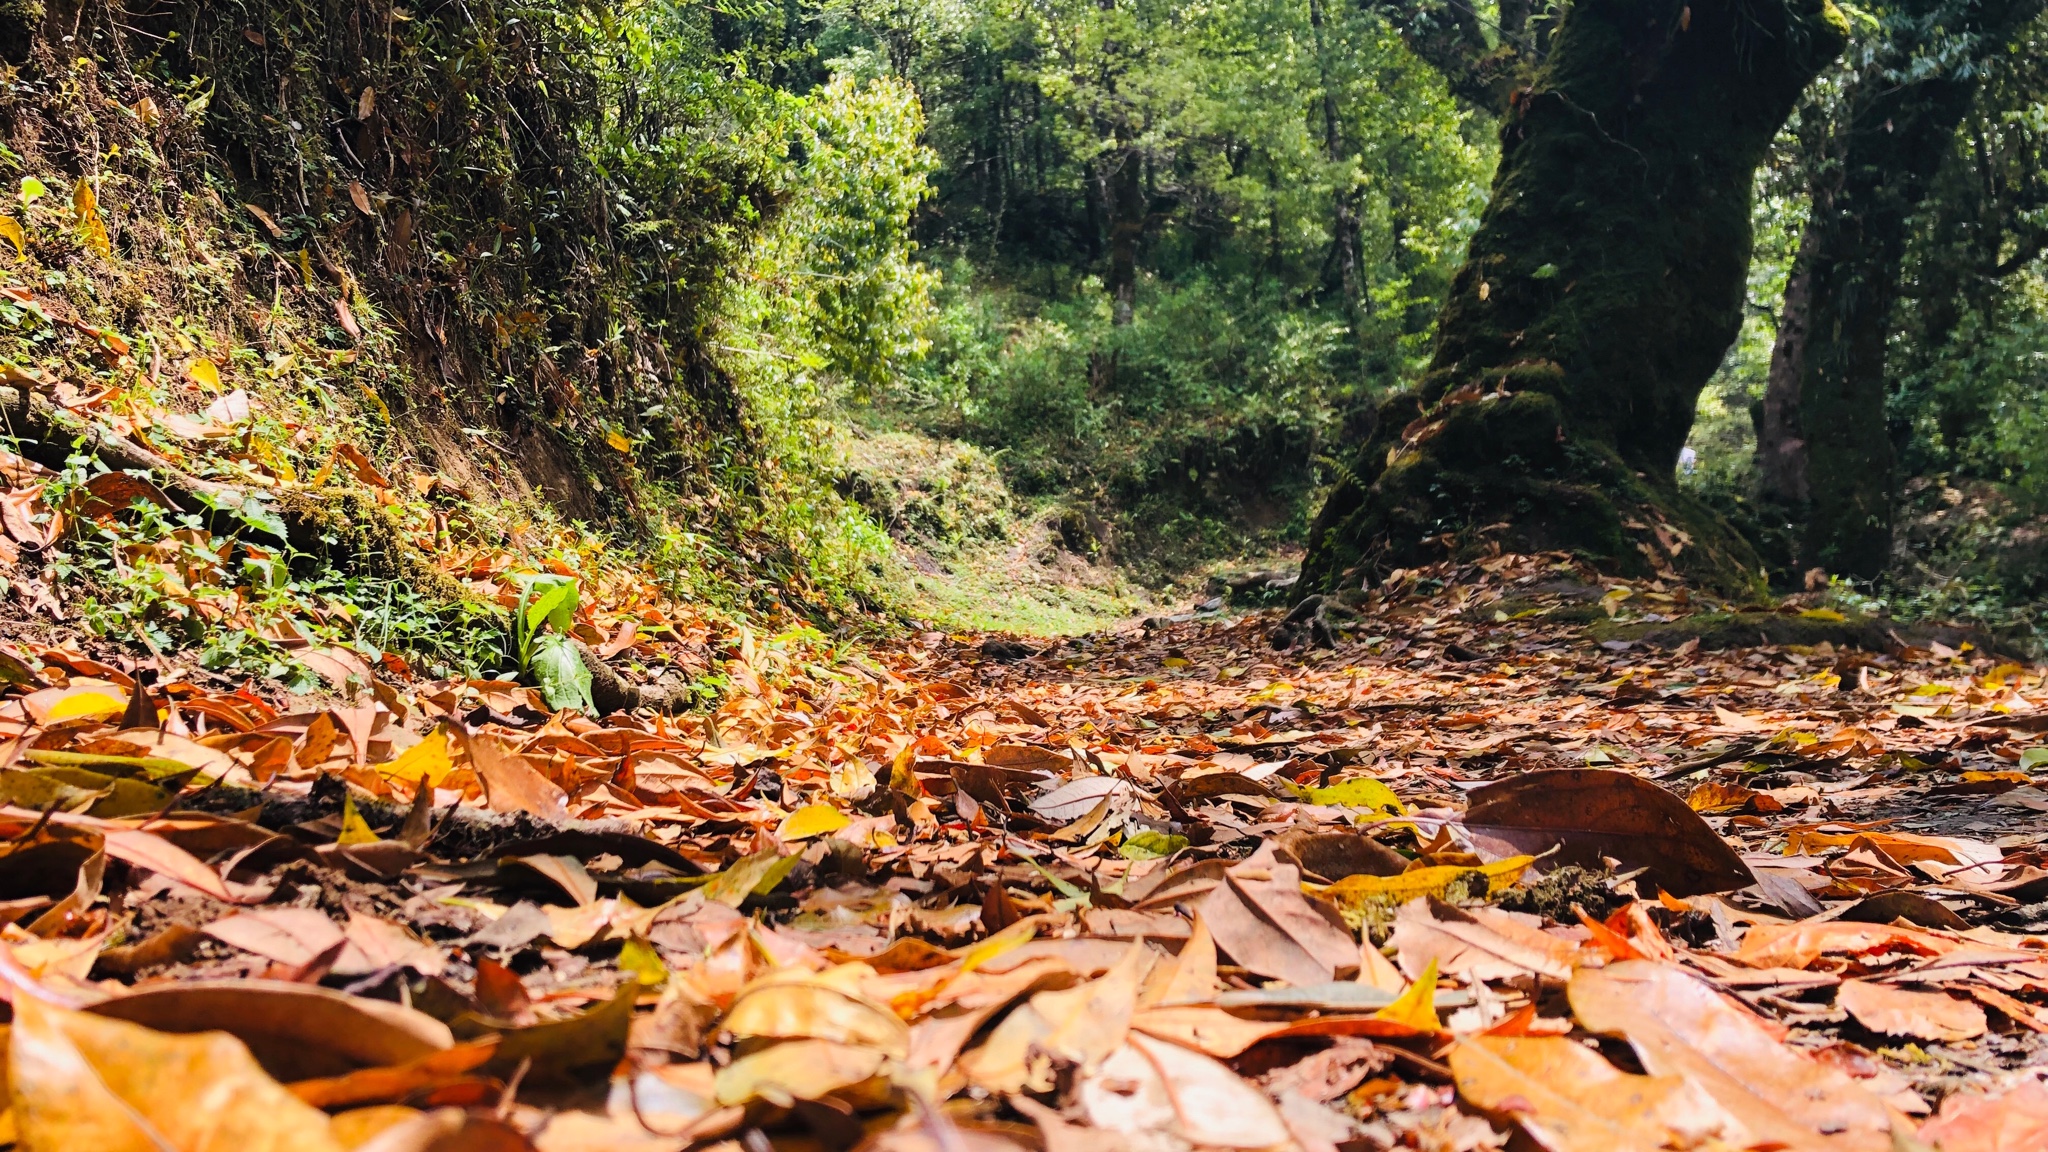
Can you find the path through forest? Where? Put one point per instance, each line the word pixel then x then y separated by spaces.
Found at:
pixel 1448 865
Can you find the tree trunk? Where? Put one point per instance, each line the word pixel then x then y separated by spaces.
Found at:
pixel 1601 291
pixel 1125 191
pixel 1825 450
pixel 1344 222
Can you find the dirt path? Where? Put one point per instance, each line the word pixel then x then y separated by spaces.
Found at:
pixel 1164 887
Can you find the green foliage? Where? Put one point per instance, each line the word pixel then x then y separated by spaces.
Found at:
pixel 829 306
pixel 548 600
pixel 1306 189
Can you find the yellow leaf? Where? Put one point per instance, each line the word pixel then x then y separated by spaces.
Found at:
pixel 426 760
pixel 814 1008
pixel 639 958
pixel 306 267
pixel 203 372
pixel 1362 898
pixel 79 704
pixel 1358 794
pixel 11 228
pixel 1828 614
pixel 354 829
pixel 816 820
pixel 618 442
pixel 1175 662
pixel 83 1081
pixel 1015 936
pixel 1417 1006
pixel 90 227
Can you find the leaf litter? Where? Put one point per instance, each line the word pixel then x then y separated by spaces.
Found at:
pixel 1166 887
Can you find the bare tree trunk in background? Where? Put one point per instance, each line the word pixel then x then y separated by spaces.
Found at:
pixel 1824 452
pixel 1125 191
pixel 1344 232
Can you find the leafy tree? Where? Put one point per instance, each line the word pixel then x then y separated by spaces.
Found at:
pixel 1601 291
pixel 1825 451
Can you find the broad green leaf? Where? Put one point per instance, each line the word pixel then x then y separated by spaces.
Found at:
pixel 2033 758
pixel 546 596
pixel 1151 845
pixel 33 189
pixel 564 679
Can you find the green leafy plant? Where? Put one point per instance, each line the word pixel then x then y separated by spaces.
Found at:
pixel 549 657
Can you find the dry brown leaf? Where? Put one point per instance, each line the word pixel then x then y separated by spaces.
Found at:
pixel 85 1082
pixel 1151 1085
pixel 1568 1099
pixel 2013 1121
pixel 1588 814
pixel 1478 944
pixel 295 1031
pixel 1680 1027
pixel 1261 920
pixel 1205 1029
pixel 1081 1025
pixel 510 783
pixel 823 1007
pixel 1895 1011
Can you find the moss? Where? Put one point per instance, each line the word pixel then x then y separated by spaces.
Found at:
pixel 1602 288
pixel 349 528
pixel 1722 630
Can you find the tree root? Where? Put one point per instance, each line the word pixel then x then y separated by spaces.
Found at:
pixel 611 692
pixel 1310 621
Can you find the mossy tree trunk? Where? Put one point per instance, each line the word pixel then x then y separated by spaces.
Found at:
pixel 1599 294
pixel 1824 450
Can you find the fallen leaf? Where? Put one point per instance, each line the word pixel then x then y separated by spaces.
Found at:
pixel 1588 814
pixel 1569 1099
pixel 1415 1008
pixel 1480 944
pixel 80 1081
pixel 1368 898
pixel 510 783
pixel 798 1070
pixel 2013 1121
pixel 1264 924
pixel 1680 1027
pixel 1896 1011
pixel 148 850
pixel 1080 1026
pixel 295 1031
pixel 815 820
pixel 825 1007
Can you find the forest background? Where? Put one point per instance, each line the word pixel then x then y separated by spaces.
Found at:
pixel 1025 315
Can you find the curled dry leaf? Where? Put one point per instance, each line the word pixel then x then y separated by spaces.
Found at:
pixel 295 1031
pixel 1680 1027
pixel 1588 814
pixel 1569 1099
pixel 81 1081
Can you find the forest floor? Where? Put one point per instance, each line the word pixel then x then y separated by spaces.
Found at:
pixel 1472 867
